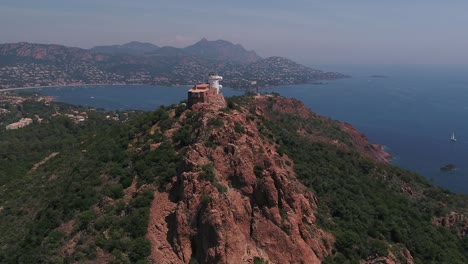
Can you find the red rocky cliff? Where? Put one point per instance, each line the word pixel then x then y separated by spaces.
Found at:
pixel 253 208
pixel 238 199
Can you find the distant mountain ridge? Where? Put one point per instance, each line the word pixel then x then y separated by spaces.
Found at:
pixel 131 48
pixel 27 64
pixel 217 50
pixel 51 52
pixel 222 50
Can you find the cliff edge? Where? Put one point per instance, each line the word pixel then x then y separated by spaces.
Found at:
pixel 236 198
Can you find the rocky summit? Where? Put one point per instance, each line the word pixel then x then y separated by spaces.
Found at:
pixel 237 199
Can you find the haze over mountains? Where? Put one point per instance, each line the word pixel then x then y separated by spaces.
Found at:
pixel 218 50
pixel 146 63
pixel 132 48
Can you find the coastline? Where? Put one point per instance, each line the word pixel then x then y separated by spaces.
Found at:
pixel 315 82
pixel 65 85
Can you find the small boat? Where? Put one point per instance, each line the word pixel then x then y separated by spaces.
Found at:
pixel 453 137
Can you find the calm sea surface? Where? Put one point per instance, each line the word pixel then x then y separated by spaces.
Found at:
pixel 412 111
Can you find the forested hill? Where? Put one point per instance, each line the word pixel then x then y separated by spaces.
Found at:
pixel 260 174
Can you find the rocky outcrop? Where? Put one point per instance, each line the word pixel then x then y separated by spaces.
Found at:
pixel 236 200
pixel 374 152
pixel 358 142
pixel 453 220
pixel 399 255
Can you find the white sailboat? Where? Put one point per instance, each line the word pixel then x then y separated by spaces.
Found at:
pixel 453 137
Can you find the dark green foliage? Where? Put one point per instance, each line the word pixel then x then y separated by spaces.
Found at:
pixel 67 187
pixel 166 122
pixel 157 136
pixel 180 109
pixel 258 260
pixel 258 170
pixel 216 122
pixel 209 144
pixel 183 136
pixel 225 110
pixel 207 173
pixel 205 199
pixel 86 218
pixel 230 104
pixel 143 200
pixel 115 191
pixel 364 210
pixel 160 164
pixel 136 222
pixel 221 188
pixel 140 248
pixel 239 128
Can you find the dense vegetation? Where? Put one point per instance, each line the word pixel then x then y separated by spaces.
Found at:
pixel 92 200
pixel 76 199
pixel 362 203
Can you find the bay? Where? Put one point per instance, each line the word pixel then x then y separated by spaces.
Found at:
pixel 412 110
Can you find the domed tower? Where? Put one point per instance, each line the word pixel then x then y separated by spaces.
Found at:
pixel 213 80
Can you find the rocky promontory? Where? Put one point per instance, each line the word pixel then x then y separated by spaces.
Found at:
pixel 238 199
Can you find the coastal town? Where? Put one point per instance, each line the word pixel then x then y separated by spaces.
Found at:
pixel 19 111
pixel 42 65
pixel 279 72
pixel 39 75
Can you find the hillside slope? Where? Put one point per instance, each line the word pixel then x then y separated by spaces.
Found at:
pixel 256 179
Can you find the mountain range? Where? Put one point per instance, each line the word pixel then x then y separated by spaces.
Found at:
pixel 132 48
pixel 27 64
pixel 218 50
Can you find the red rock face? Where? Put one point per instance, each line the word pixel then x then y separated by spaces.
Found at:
pixel 241 214
pixel 454 220
pixel 253 206
pixel 402 255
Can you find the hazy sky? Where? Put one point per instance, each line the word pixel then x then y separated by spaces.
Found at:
pixel 309 31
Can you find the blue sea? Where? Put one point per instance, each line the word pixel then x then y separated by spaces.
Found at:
pixel 411 110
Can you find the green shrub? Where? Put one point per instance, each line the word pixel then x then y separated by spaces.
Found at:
pixel 183 136
pixel 221 188
pixel 193 261
pixel 140 249
pixel 216 122
pixel 258 170
pixel 239 128
pixel 115 191
pixel 85 219
pixel 207 173
pixel 205 199
pixel 259 260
